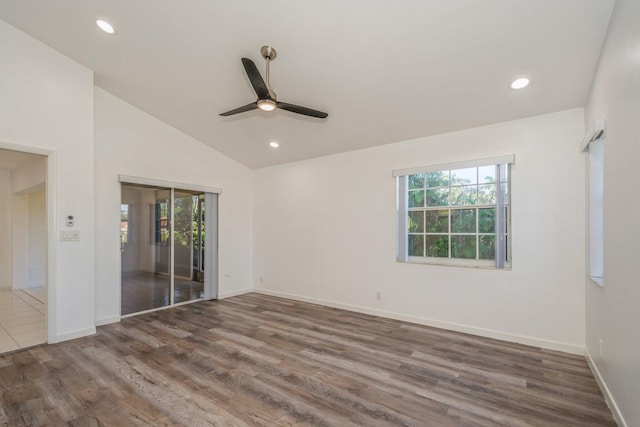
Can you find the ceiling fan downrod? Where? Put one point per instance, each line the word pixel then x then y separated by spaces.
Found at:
pixel 269 54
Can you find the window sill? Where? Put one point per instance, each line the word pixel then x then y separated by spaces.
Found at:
pixel 488 265
pixel 599 281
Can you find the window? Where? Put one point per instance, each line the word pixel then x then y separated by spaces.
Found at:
pixel 455 214
pixel 124 223
pixel 161 219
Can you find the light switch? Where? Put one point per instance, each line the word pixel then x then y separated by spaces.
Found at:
pixel 70 236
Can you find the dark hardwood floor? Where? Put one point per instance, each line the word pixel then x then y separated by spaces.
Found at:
pixel 258 360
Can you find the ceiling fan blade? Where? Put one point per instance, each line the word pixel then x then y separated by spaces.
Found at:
pixel 247 107
pixel 302 110
pixel 256 79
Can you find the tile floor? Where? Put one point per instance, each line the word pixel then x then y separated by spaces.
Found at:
pixel 22 318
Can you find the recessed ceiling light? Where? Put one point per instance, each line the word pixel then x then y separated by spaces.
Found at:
pixel 105 26
pixel 274 144
pixel 520 83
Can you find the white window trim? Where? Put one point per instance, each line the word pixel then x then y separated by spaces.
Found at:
pixel 403 209
pixel 458 262
pixel 128 179
pixel 489 161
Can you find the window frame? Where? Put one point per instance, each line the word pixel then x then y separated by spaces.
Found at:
pixel 503 246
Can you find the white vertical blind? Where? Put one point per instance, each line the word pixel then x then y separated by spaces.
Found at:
pixel 596 211
pixel 211 246
pixel 501 220
pixel 402 250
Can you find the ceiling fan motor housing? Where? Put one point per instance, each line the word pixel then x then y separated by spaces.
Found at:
pixel 268 52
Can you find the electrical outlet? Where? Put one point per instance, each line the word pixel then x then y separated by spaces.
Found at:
pixel 261 279
pixel 378 295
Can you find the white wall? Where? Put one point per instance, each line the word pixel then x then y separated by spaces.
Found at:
pixel 612 311
pixel 46 107
pixel 28 239
pixel 324 230
pixel 28 224
pixel 5 230
pixel 30 176
pixel 20 240
pixel 37 239
pixel 130 142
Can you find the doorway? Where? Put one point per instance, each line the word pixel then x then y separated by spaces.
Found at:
pixel 168 245
pixel 23 238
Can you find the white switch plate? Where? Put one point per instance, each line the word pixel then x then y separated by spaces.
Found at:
pixel 70 236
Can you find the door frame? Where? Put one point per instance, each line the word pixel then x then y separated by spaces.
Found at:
pixel 51 248
pixel 211 291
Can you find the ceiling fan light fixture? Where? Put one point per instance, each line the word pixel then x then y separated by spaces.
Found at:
pixel 266 104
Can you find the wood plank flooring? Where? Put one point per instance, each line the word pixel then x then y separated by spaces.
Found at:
pixel 259 360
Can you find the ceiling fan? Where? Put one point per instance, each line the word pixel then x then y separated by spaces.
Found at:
pixel 267 100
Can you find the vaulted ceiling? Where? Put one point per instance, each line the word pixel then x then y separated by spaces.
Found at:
pixel 385 71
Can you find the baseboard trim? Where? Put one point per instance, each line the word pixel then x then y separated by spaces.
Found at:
pixel 608 397
pixel 107 320
pixel 74 334
pixel 488 333
pixel 235 293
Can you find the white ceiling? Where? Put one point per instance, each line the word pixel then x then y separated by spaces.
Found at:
pixel 385 71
